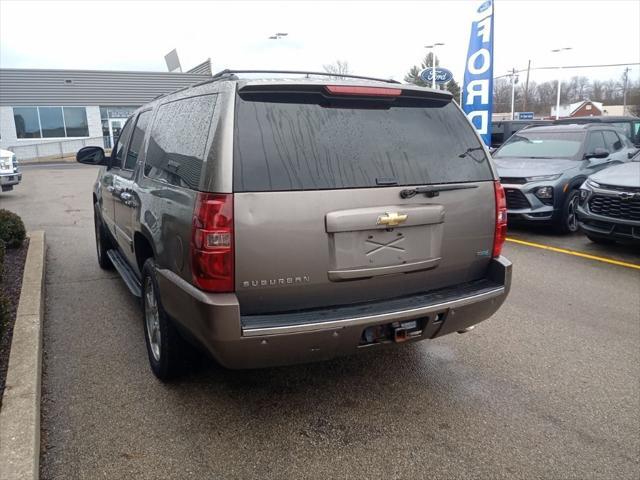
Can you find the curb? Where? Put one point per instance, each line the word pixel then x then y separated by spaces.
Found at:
pixel 20 414
pixel 37 161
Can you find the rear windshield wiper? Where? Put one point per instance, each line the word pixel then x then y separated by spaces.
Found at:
pixel 431 192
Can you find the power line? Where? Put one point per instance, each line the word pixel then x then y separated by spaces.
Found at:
pixel 572 66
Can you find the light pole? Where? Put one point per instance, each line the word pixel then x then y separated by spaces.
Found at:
pixel 558 50
pixel 433 61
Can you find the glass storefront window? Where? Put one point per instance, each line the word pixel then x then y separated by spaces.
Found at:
pixel 27 123
pixel 75 119
pixel 51 122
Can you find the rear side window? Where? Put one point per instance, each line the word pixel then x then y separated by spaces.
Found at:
pixel 178 141
pixel 624 128
pixel 137 138
pixel 281 145
pixel 613 142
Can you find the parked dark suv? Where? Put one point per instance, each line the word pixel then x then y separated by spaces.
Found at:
pixel 629 126
pixel 285 220
pixel 542 168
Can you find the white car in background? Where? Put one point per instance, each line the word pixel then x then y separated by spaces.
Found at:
pixel 9 174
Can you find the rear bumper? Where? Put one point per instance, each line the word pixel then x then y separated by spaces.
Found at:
pixel 214 320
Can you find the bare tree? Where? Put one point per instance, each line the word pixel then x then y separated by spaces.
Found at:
pixel 502 95
pixel 339 67
pixel 597 90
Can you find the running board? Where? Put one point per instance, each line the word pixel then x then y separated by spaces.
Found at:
pixel 125 271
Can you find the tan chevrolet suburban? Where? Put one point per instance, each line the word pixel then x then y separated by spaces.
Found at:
pixel 296 217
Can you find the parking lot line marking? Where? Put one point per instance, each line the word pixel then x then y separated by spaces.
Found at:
pixel 576 254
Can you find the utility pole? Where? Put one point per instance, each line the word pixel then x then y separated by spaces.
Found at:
pixel 513 92
pixel 624 91
pixel 526 88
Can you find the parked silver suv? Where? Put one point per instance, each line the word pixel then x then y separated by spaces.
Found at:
pixel 283 220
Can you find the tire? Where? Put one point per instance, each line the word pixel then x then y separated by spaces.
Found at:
pixel 165 347
pixel 103 242
pixel 601 240
pixel 567 222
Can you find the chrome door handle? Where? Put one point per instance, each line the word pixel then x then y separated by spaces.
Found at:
pixel 110 189
pixel 126 196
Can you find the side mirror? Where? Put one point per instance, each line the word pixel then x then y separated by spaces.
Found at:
pixel 598 153
pixel 91 156
pixel 630 155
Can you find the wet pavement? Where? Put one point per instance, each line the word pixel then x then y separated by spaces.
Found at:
pixel 547 388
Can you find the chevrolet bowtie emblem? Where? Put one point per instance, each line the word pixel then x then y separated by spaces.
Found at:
pixel 391 219
pixel 627 196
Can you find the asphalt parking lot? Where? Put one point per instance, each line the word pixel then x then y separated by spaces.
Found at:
pixel 547 388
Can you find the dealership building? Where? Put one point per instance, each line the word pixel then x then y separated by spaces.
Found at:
pixel 53 113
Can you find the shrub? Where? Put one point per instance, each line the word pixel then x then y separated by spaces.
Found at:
pixel 12 230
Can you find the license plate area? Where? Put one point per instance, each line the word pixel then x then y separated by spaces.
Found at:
pixel 360 247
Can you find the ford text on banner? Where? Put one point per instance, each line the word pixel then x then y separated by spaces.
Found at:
pixel 477 96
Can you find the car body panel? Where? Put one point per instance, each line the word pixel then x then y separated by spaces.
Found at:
pixel 624 175
pixel 294 244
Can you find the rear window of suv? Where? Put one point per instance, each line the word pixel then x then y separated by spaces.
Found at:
pixel 303 145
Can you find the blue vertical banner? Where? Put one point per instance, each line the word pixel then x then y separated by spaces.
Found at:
pixel 477 91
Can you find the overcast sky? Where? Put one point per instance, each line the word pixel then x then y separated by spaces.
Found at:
pixel 379 38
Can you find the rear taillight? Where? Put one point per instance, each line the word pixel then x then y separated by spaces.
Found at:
pixel 501 219
pixel 363 91
pixel 212 263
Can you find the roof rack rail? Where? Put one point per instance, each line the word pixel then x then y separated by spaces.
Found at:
pixel 228 71
pixel 171 92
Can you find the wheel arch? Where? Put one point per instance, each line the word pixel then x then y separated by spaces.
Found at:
pixel 143 247
pixel 576 182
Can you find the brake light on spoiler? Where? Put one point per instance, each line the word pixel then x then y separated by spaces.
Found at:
pixel 363 91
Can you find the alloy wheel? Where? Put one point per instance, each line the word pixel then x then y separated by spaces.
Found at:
pixel 152 318
pixel 572 216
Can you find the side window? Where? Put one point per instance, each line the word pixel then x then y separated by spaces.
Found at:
pixel 178 141
pixel 118 157
pixel 623 127
pixel 636 132
pixel 596 140
pixel 613 142
pixel 137 140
